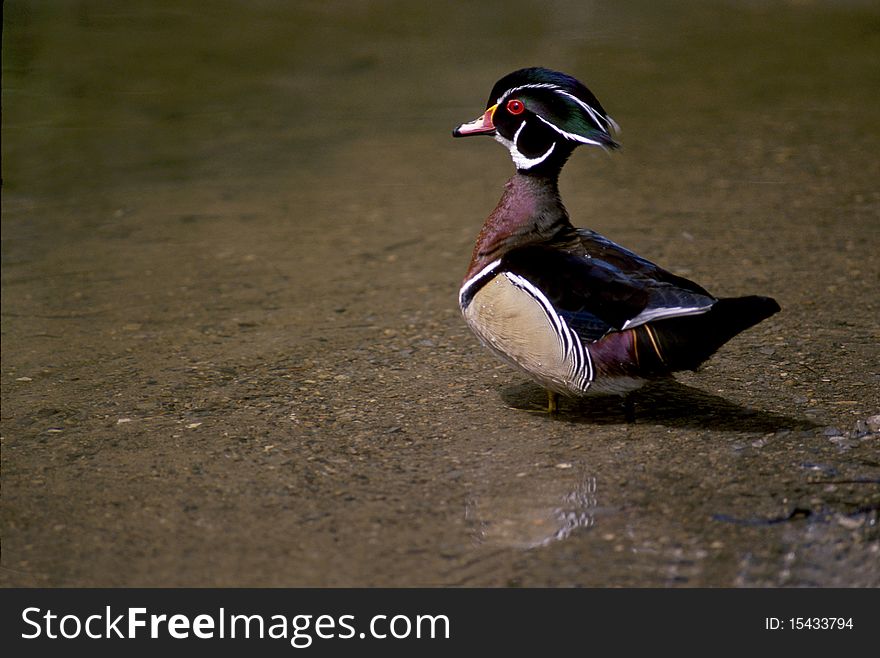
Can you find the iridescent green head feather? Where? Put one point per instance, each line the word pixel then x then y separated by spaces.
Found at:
pixel 541 116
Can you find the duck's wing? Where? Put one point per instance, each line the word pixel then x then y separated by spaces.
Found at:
pixel 598 246
pixel 598 294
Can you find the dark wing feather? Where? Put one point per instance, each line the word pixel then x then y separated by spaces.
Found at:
pixel 595 295
pixel 598 246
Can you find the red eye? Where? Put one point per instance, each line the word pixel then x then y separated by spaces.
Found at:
pixel 515 107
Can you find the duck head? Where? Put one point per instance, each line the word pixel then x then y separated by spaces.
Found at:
pixel 541 116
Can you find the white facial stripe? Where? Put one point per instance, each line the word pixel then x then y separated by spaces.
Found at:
pixel 517 133
pixel 589 110
pixel 520 160
pixel 602 122
pixel 537 85
pixel 568 135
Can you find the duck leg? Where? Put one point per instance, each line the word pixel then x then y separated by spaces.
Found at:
pixel 552 402
pixel 629 408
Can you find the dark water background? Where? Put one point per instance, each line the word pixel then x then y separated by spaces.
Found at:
pixel 232 240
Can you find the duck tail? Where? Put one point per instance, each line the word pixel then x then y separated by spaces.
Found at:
pixel 683 343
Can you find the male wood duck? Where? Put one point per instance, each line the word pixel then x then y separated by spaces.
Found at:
pixel 576 312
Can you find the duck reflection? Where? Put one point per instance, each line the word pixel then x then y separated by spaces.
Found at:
pixel 531 517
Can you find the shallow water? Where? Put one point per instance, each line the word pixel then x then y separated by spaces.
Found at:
pixel 232 243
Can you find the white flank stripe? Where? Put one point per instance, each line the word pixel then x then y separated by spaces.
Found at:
pixel 583 373
pixel 551 313
pixel 476 277
pixel 572 347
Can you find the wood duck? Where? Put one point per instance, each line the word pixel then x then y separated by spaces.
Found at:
pixel 576 312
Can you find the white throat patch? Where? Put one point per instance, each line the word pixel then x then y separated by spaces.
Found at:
pixel 520 160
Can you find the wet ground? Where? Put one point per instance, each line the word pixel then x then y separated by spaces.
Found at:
pixel 232 243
